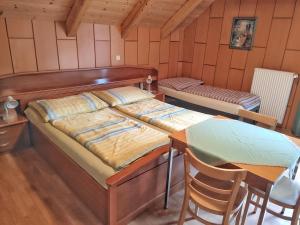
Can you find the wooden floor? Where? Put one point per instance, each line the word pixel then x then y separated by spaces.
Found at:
pixel 31 193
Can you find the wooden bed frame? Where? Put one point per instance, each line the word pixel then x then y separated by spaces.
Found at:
pixel 129 191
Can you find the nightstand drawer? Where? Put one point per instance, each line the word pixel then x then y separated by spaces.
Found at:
pixel 13 137
pixel 6 146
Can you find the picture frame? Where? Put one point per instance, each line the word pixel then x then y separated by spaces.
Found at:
pixel 242 33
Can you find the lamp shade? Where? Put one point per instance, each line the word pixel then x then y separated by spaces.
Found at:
pixel 11 103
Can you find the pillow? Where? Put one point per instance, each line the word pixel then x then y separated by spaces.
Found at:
pixel 123 95
pixel 180 83
pixel 52 109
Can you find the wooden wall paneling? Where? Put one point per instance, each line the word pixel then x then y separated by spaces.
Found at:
pixel 102 53
pixel 198 59
pixel 143 45
pixel 45 45
pixel 239 59
pixel 19 28
pixel 154 54
pixel 291 64
pixel 294 108
pixel 277 43
pixel 181 44
pixel 179 69
pixel 174 51
pixel 164 50
pixel 231 10
pixel 102 32
pixel 255 60
pixel 61 31
pixel 23 55
pixel 291 61
pixel 264 12
pixel 67 52
pixel 188 40
pixel 208 74
pixel 175 35
pixel 132 34
pixel 86 45
pixel 117 46
pixel 217 8
pixel 154 34
pixel 163 70
pixel 284 8
pixel 186 69
pixel 294 36
pixel 202 27
pixel 213 39
pixel 247 8
pixel 5 57
pixel 235 79
pixel 131 53
pixel 223 66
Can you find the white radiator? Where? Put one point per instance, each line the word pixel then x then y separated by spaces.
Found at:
pixel 274 88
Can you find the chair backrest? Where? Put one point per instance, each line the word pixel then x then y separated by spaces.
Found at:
pixel 213 189
pixel 269 121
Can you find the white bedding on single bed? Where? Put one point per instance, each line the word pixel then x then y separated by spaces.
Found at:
pixel 202 101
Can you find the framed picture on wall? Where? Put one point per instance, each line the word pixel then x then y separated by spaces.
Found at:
pixel 242 32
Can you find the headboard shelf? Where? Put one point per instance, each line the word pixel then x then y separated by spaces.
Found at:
pixel 28 87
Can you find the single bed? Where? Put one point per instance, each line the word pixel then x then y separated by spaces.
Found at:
pixel 224 100
pixel 114 196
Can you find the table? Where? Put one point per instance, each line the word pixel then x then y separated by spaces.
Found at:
pixel 261 177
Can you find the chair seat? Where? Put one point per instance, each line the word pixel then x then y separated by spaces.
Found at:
pixel 242 193
pixel 286 191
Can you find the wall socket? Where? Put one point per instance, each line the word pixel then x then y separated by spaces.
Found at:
pixel 118 57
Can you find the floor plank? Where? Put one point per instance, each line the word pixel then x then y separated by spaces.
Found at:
pixel 33 194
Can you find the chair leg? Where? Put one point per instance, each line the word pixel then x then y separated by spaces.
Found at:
pixel 238 217
pixel 246 207
pixel 184 208
pixel 256 207
pixel 295 217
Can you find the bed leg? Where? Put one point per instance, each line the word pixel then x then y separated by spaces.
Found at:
pixel 112 206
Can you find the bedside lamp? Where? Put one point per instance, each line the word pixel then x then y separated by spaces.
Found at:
pixel 149 82
pixel 10 106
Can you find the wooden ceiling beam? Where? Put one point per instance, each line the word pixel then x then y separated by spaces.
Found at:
pixel 174 22
pixel 134 17
pixel 75 16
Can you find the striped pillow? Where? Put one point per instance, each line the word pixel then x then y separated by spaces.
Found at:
pixel 123 95
pixel 52 109
pixel 180 83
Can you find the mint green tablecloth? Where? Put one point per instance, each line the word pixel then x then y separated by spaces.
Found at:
pixel 217 141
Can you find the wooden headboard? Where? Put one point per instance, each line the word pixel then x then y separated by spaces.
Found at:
pixel 28 87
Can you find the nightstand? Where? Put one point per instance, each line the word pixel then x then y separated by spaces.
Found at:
pixel 159 95
pixel 14 135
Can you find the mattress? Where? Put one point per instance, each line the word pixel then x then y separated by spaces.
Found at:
pixel 247 100
pixel 165 116
pixel 94 166
pixel 202 101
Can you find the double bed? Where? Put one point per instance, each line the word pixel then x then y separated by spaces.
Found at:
pixel 115 190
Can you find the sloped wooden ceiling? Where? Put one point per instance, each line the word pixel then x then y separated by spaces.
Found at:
pixel 166 14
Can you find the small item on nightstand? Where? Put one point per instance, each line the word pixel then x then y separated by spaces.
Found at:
pixel 149 81
pixel 10 114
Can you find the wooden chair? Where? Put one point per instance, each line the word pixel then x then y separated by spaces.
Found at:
pixel 265 120
pixel 212 190
pixel 285 193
